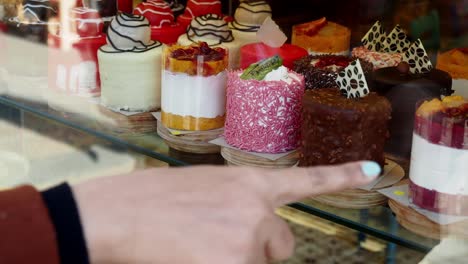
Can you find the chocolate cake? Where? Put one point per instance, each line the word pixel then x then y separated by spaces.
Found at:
pixel 336 129
pixel 321 71
pixel 404 89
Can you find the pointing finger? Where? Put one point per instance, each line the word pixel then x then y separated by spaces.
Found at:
pixel 294 184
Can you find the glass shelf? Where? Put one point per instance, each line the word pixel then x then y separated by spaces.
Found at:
pixel 378 221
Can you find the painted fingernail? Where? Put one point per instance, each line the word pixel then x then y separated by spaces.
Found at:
pixel 371 169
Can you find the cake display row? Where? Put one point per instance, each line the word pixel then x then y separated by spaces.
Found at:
pixel 439 160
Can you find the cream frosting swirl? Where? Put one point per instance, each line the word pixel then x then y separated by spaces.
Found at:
pixel 129 33
pixel 210 28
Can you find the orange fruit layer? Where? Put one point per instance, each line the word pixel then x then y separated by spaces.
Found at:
pixel 455 62
pixel 191 123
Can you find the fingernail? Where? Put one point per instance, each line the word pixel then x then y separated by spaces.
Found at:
pixel 371 169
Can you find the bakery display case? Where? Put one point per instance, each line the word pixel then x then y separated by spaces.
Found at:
pixel 320 83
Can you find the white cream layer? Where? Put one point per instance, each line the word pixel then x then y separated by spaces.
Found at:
pixel 439 168
pixel 131 81
pixel 461 87
pixel 233 48
pixel 196 96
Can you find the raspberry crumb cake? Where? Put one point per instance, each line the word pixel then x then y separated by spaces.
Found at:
pixel 439 163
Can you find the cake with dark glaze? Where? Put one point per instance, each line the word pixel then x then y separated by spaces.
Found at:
pixel 321 71
pixel 336 129
pixel 404 89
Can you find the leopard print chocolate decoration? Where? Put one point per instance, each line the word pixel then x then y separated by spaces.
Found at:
pixel 374 38
pixel 396 41
pixel 417 58
pixel 352 81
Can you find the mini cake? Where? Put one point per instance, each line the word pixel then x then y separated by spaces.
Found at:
pixel 455 62
pixel 338 130
pixel 32 21
pixel 248 18
pixel 213 30
pixel 130 65
pixel 73 63
pixel 264 108
pixel 380 49
pixel 196 8
pixel 163 26
pixel 439 157
pixel 403 86
pixel 194 87
pixel 345 124
pixel 322 37
pixel 254 52
pixel 321 71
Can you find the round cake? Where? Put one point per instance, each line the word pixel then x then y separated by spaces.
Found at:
pixel 33 20
pixel 248 18
pixel 130 65
pixel 455 62
pixel 322 37
pixel 337 130
pixel 264 115
pixel 254 52
pixel 163 26
pixel 404 89
pixel 213 30
pixel 194 87
pixel 320 71
pixel 439 158
pixel 196 8
pixel 73 64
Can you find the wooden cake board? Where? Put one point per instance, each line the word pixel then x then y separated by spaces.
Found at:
pixel 421 225
pixel 196 142
pixel 134 124
pixel 357 198
pixel 235 157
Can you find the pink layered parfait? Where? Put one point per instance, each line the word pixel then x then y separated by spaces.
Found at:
pixel 439 162
pixel 164 28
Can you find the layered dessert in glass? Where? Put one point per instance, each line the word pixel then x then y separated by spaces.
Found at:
pixel 439 157
pixel 194 87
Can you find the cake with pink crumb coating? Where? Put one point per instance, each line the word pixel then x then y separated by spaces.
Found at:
pixel 264 114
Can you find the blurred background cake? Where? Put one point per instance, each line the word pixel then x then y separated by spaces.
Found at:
pixel 322 37
pixel 194 87
pixel 248 18
pixel 439 163
pixel 455 62
pixel 72 62
pixel 130 65
pixel 197 8
pixel 164 28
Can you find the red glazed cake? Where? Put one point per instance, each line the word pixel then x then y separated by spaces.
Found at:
pixel 337 130
pixel 197 8
pixel 163 26
pixel 255 52
pixel 439 162
pixel 73 67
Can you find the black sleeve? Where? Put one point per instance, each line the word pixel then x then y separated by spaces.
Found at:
pixel 66 220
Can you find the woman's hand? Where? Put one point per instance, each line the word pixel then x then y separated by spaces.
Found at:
pixel 202 214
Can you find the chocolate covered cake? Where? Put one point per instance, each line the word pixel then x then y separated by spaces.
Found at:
pixel 404 89
pixel 336 129
pixel 321 71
